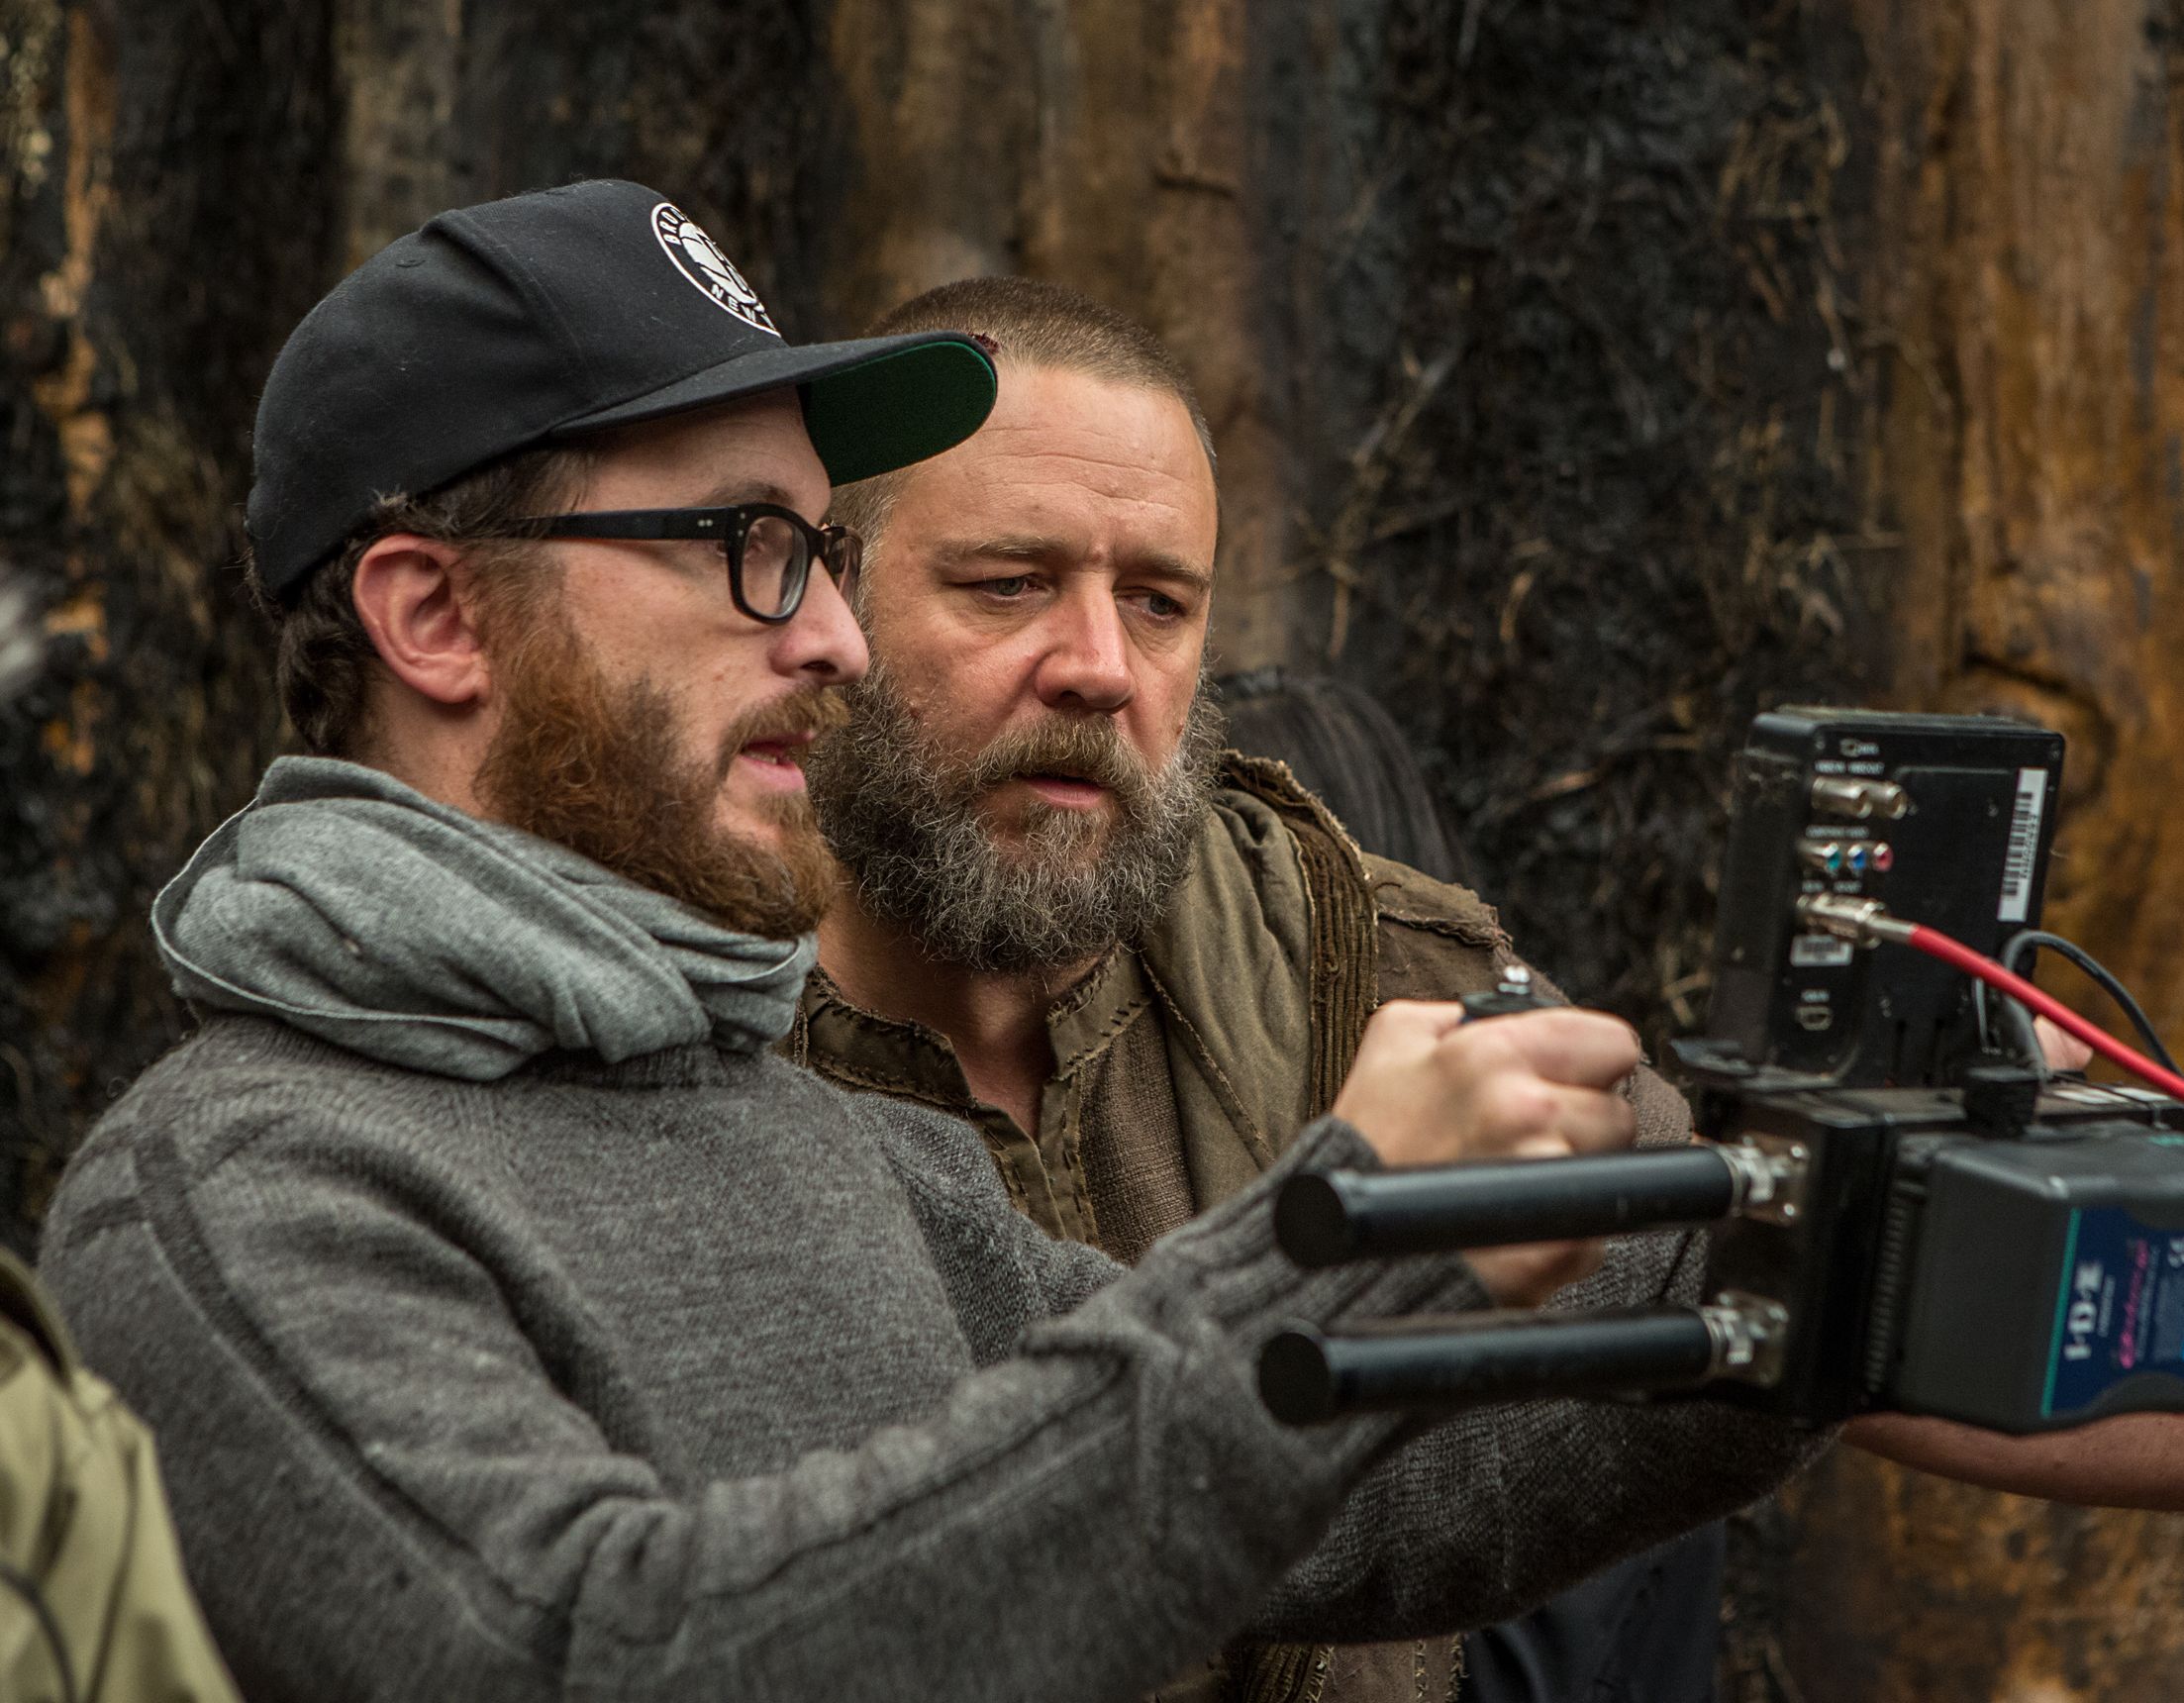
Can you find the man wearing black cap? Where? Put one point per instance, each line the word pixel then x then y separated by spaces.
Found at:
pixel 514 1323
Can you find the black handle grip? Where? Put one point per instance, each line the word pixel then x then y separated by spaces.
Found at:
pixel 1306 1378
pixel 1326 1218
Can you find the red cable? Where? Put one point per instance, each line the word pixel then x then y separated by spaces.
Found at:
pixel 1935 944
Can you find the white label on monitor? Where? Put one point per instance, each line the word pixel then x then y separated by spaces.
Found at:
pixel 1818 951
pixel 2017 867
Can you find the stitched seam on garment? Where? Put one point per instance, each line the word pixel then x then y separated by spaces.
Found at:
pixel 1451 927
pixel 796 1046
pixel 886 1082
pixel 1345 965
pixel 1104 1037
pixel 1072 1155
pixel 1224 1090
pixel 842 1011
pixel 823 996
pixel 1345 940
pixel 971 1112
pixel 1078 997
pixel 1279 1673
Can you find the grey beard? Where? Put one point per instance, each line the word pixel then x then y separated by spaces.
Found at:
pixel 904 822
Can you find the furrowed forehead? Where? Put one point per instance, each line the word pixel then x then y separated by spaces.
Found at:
pixel 1060 444
pixel 956 550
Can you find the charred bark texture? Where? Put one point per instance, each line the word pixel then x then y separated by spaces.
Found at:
pixel 1894 1586
pixel 2026 289
pixel 2029 282
pixel 1190 163
pixel 164 219
pixel 1608 497
pixel 1588 375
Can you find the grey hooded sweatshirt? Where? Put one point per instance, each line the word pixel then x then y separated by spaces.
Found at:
pixel 515 1326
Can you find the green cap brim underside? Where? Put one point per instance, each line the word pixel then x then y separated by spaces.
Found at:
pixel 898 409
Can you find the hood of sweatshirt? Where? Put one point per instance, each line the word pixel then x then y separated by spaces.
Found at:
pixel 356 909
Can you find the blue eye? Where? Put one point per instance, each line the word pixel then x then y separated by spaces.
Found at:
pixel 1010 585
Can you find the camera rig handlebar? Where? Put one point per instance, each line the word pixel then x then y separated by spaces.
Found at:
pixel 1906 1210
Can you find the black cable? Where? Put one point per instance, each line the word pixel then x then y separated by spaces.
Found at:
pixel 2032 940
pixel 2020 1023
pixel 1979 1016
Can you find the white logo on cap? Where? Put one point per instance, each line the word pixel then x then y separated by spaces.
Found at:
pixel 699 259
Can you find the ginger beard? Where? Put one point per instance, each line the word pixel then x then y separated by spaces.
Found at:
pixel 911 820
pixel 595 764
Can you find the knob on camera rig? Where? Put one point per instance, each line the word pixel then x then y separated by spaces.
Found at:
pixel 1908 1211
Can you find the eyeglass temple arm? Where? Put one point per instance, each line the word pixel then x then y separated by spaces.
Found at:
pixel 630 524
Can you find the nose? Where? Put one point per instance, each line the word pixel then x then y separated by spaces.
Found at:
pixel 820 645
pixel 1086 665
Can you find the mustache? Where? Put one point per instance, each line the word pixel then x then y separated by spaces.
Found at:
pixel 815 710
pixel 1088 748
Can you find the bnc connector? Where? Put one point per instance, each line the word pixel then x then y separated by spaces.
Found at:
pixel 1862 922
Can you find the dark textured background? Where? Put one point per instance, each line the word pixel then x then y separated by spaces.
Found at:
pixel 1587 375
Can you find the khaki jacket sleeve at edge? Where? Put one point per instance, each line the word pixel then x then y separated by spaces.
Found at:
pixel 94 1606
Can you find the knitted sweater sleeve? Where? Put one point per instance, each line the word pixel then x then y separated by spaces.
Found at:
pixel 1478 1517
pixel 1569 1487
pixel 1003 1273
pixel 388 1469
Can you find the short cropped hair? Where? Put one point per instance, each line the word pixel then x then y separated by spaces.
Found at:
pixel 323 656
pixel 1027 322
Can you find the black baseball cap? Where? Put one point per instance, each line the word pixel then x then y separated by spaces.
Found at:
pixel 506 326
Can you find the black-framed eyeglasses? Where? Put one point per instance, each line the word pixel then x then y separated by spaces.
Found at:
pixel 770 550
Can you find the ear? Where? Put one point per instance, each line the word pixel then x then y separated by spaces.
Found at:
pixel 413 600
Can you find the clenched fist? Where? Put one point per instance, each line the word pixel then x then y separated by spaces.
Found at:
pixel 1430 1088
